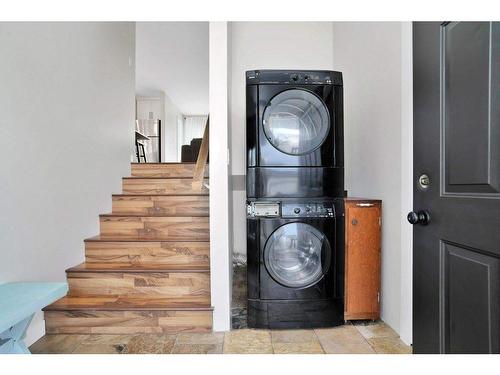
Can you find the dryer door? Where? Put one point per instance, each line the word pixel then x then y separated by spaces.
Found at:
pixel 297 255
pixel 296 122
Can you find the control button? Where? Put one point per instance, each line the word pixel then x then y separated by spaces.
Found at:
pixel 294 77
pixel 306 77
pixel 308 209
pixel 296 210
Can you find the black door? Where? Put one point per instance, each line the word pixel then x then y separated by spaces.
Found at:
pixel 456 256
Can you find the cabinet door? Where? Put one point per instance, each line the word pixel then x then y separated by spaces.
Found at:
pixel 362 262
pixel 148 109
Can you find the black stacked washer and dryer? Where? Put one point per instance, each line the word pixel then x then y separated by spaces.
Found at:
pixel 295 207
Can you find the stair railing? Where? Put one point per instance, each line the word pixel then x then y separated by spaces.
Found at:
pixel 201 162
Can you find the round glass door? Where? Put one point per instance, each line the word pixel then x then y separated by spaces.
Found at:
pixel 296 122
pixel 297 255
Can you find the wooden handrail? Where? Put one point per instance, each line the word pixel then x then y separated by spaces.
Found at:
pixel 201 162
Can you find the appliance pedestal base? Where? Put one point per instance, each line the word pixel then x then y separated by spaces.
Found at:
pixel 295 314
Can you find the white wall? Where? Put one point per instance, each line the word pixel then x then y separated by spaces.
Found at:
pixel 173 57
pixel 170 129
pixel 220 216
pixel 66 134
pixel 370 57
pixel 267 45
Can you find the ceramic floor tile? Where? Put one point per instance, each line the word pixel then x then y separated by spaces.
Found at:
pixel 103 344
pixel 150 344
pixel 200 338
pixel 57 344
pixel 197 349
pixel 293 335
pixel 344 332
pixel 389 345
pixel 312 347
pixel 377 329
pixel 343 340
pixel 243 341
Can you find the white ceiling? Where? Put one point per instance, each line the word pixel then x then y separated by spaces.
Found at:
pixel 173 57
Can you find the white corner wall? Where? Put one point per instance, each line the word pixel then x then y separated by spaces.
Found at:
pixel 266 45
pixel 66 133
pixel 370 55
pixel 220 216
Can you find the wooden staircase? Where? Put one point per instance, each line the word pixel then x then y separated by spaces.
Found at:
pixel 149 269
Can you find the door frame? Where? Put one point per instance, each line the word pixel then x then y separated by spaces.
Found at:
pixel 406 312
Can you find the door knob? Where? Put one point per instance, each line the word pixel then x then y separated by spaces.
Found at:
pixel 420 217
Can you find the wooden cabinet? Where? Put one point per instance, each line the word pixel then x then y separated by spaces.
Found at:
pixel 362 258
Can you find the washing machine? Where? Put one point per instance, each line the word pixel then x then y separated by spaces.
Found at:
pixel 294 121
pixel 295 266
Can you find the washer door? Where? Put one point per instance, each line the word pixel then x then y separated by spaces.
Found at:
pixel 296 122
pixel 297 255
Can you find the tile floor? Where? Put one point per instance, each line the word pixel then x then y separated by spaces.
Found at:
pixel 359 338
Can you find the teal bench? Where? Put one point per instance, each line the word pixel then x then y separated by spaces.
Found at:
pixel 18 303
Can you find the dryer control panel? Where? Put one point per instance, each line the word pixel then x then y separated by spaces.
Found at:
pixel 293 77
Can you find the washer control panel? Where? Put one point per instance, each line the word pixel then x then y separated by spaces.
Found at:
pixel 307 209
pixel 290 209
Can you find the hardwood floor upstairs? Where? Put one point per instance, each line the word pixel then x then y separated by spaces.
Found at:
pixel 149 269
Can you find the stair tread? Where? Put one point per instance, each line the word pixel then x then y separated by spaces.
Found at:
pixel 166 163
pixel 138 268
pixel 100 238
pixel 124 214
pixel 110 303
pixel 161 195
pixel 160 178
pixel 203 194
pixel 142 215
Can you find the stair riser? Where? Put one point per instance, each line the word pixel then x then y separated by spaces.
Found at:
pixel 160 186
pixel 164 170
pixel 191 205
pixel 168 228
pixel 135 253
pixel 127 322
pixel 185 285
